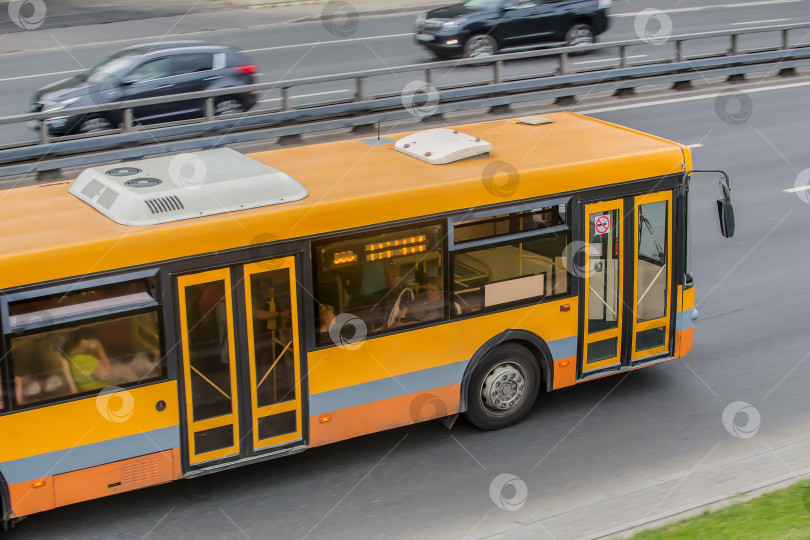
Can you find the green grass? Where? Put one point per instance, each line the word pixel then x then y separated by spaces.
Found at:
pixel 783 514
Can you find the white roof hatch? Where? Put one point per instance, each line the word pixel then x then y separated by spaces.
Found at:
pixel 442 145
pixel 173 188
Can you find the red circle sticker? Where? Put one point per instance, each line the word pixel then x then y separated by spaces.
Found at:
pixel 602 224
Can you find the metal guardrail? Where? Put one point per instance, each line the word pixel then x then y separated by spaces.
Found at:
pixel 362 109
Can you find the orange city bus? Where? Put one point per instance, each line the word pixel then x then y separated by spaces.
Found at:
pixel 180 315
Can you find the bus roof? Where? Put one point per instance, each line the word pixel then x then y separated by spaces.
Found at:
pixel 49 233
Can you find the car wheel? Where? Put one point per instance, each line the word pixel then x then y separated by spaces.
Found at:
pixel 503 387
pixel 228 105
pixel 480 46
pixel 94 123
pixel 580 34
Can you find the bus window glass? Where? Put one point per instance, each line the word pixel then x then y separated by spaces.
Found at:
pixel 86 358
pixel 209 353
pixel 386 280
pixel 519 270
pixel 39 311
pixel 652 261
pixel 273 339
pixel 516 222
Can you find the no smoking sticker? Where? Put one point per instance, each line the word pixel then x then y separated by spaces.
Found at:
pixel 602 224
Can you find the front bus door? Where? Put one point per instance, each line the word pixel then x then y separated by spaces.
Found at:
pixel 602 341
pixel 261 370
pixel 653 274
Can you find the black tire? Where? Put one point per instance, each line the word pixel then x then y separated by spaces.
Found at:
pixel 94 123
pixel 496 375
pixel 480 46
pixel 229 105
pixel 580 34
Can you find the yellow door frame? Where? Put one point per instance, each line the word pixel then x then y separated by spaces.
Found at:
pixel 664 321
pixel 588 338
pixel 295 404
pixel 183 282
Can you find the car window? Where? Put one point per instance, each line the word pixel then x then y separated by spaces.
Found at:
pixel 481 4
pixel 154 69
pixel 115 66
pixel 192 63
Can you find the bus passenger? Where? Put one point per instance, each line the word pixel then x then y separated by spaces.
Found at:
pixel 89 364
pixel 427 306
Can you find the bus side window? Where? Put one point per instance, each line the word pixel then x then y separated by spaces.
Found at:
pixel 376 279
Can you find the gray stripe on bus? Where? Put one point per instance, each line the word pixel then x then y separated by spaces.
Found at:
pixel 684 320
pixel 410 383
pixel 90 455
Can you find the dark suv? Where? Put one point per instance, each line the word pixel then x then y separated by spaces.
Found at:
pixel 146 71
pixel 476 28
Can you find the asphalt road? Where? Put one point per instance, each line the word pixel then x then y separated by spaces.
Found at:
pixel 309 49
pixel 751 345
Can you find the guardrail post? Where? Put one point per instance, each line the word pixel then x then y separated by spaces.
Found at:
pixel 358 94
pixel 209 109
pixel 285 98
pixel 497 72
pixel 622 56
pixel 734 45
pixel 563 63
pixel 429 76
pixel 43 132
pixel 785 43
pixel 127 120
pixel 679 51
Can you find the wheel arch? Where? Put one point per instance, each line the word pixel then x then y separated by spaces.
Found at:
pixel 534 343
pixel 5 503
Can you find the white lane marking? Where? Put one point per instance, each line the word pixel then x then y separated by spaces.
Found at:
pixel 689 98
pixel 325 42
pixel 795 189
pixel 40 75
pixel 609 59
pixel 696 145
pixel 717 6
pixel 306 95
pixel 758 22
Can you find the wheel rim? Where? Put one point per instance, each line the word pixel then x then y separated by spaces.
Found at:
pixel 581 35
pixel 504 388
pixel 480 47
pixel 228 106
pixel 94 124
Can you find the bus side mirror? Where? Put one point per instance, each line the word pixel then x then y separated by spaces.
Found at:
pixel 726 212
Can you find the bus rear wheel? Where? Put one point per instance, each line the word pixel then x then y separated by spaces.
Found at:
pixel 503 387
